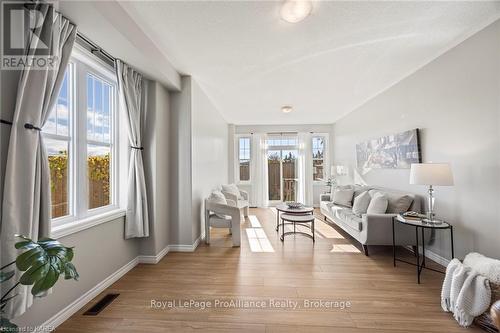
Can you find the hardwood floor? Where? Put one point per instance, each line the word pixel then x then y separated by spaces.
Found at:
pixel 382 298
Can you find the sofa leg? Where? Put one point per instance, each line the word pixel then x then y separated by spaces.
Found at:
pixel 365 249
pixel 324 216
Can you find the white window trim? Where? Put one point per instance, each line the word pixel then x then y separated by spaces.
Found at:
pixel 237 159
pixel 326 163
pixel 83 219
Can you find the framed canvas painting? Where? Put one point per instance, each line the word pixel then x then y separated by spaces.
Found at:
pixel 397 151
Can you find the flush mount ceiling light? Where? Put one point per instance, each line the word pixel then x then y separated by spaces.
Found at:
pixel 294 11
pixel 286 109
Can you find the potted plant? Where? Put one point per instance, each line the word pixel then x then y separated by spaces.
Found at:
pixel 42 263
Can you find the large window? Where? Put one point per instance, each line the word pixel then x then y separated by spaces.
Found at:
pixel 244 158
pixel 80 141
pixel 318 153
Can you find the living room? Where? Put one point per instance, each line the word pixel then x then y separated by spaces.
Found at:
pixel 264 166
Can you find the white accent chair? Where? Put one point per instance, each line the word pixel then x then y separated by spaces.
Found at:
pixel 241 199
pixel 218 215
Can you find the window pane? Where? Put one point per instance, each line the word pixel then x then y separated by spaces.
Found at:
pixel 90 107
pixel 99 175
pixel 99 103
pixel 244 158
pixel 57 151
pixel 318 170
pixel 318 147
pixel 58 121
pixel 244 170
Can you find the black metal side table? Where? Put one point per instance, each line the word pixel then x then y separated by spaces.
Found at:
pixel 418 224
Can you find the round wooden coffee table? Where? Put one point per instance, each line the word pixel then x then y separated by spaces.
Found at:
pixel 283 208
pixel 303 220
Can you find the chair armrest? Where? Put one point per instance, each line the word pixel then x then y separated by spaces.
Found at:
pixel 230 196
pixel 221 209
pixel 244 195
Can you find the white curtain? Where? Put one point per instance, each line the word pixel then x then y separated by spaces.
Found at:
pixel 26 207
pixel 132 96
pixel 259 170
pixel 305 170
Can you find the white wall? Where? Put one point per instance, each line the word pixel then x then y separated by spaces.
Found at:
pixel 180 165
pixel 209 153
pixel 199 157
pixel 455 101
pixel 318 187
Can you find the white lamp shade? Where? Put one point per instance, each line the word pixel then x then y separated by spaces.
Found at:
pixel 431 174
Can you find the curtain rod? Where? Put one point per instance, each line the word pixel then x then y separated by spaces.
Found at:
pixel 95 48
pixel 281 133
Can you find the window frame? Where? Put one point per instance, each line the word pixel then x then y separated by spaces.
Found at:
pixel 238 177
pixel 326 172
pixel 80 216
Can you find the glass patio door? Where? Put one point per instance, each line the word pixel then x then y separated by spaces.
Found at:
pixel 282 154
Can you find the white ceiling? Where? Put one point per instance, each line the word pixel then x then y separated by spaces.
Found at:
pixel 250 62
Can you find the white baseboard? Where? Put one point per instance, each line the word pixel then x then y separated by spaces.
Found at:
pixel 433 256
pixel 154 259
pixel 437 258
pixel 76 305
pixel 185 248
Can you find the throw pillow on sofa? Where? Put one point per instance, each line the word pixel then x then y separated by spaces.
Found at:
pixel 343 196
pixel 378 204
pixel 232 189
pixel 398 203
pixel 361 203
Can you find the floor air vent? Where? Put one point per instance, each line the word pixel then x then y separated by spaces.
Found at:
pixel 101 305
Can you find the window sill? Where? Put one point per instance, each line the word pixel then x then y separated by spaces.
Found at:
pixel 86 223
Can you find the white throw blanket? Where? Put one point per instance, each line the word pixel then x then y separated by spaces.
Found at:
pixel 465 292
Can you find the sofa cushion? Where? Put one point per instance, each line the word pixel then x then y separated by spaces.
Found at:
pixel 361 203
pixel 350 219
pixel 359 189
pixel 343 196
pixel 398 202
pixel 378 204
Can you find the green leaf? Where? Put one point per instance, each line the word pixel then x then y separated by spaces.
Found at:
pixel 25 260
pixel 70 272
pixel 46 282
pixel 34 273
pixel 7 326
pixel 43 262
pixel 4 276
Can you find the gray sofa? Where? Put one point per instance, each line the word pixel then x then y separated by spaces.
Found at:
pixel 372 229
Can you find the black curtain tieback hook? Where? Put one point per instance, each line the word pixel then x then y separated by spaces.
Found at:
pixel 32 127
pixel 139 148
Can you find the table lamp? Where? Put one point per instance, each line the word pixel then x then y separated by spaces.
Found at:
pixel 431 174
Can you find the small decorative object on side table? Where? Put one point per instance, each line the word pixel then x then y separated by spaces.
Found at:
pixel 419 222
